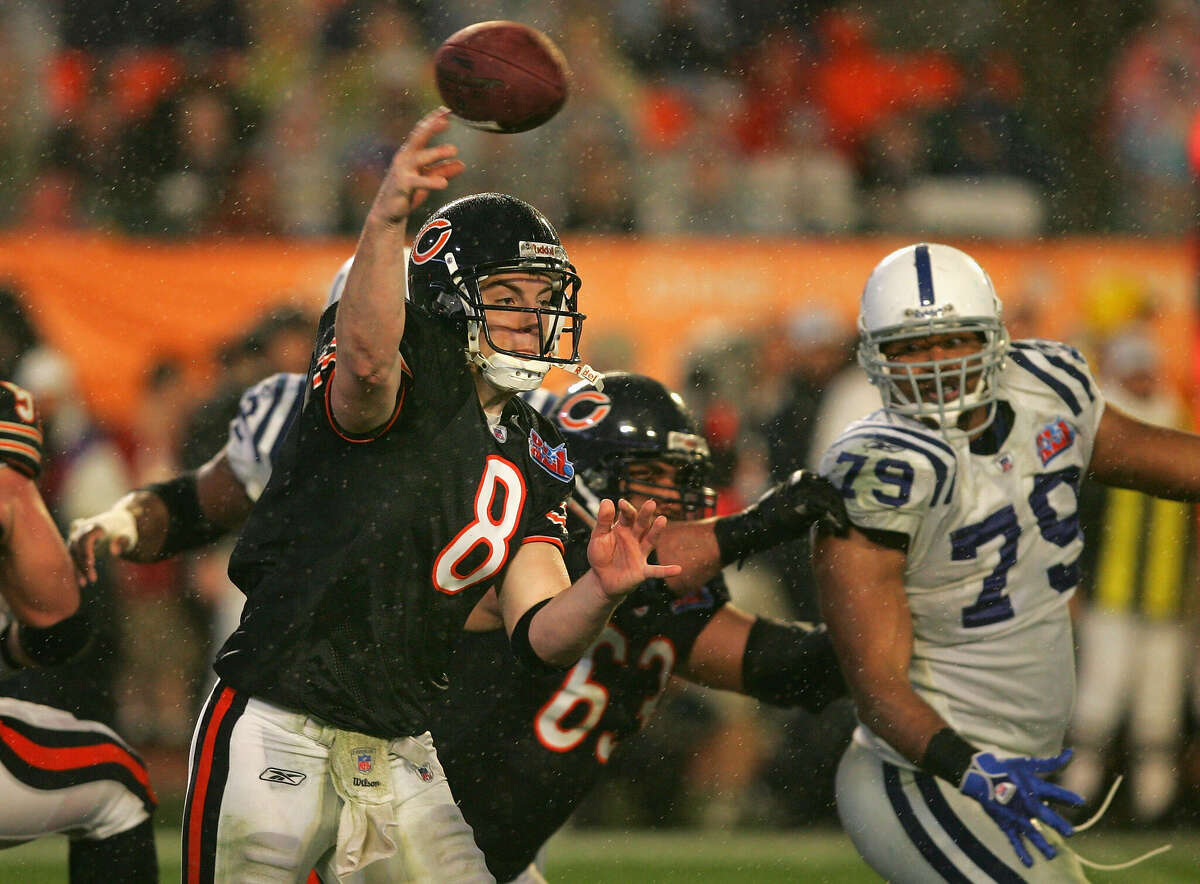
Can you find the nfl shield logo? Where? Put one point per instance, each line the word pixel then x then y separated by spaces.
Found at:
pixel 365 761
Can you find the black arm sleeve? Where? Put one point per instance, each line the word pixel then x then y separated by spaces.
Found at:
pixel 186 526
pixel 525 654
pixel 55 644
pixel 791 664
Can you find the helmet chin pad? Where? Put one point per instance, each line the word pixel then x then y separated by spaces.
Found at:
pixel 509 373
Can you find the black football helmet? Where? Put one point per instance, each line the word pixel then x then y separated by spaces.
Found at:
pixel 635 421
pixel 478 236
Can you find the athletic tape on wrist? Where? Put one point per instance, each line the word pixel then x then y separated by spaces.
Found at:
pixel 117 522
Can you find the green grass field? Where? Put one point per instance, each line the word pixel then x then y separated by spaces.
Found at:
pixel 594 857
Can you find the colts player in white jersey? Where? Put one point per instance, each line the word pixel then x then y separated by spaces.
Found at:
pixel 947 600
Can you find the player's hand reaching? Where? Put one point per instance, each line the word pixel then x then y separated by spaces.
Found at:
pixel 114 529
pixel 621 542
pixel 416 169
pixel 1014 794
pixel 802 499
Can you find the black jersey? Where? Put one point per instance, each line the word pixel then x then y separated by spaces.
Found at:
pixel 365 554
pixel 521 750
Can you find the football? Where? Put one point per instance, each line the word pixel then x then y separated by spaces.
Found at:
pixel 501 76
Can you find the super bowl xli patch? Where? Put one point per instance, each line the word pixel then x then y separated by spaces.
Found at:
pixel 552 460
pixel 1053 439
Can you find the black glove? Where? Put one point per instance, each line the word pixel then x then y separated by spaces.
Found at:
pixel 783 513
pixel 802 499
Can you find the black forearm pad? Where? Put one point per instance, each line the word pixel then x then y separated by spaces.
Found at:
pixel 791 664
pixel 519 641
pixel 948 756
pixel 745 533
pixel 186 526
pixel 56 644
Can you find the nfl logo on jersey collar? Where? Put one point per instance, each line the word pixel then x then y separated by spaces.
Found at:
pixel 1053 439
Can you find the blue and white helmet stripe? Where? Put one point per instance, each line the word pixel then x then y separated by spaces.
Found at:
pixel 924 274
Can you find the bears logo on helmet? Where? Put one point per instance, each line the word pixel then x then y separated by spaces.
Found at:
pixel 582 410
pixel 425 245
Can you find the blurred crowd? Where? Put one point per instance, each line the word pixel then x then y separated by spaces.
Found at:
pixel 249 117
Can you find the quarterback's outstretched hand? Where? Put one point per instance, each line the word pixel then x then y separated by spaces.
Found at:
pixel 621 542
pixel 416 169
pixel 1013 793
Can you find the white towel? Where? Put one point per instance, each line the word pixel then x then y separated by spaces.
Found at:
pixel 362 776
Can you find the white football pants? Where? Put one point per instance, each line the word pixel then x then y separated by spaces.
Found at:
pixel 261 806
pixel 913 828
pixel 59 773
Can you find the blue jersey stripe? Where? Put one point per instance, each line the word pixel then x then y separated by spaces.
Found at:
pixel 940 470
pixel 915 831
pixel 271 423
pixel 961 835
pixel 924 275
pixel 1073 372
pixel 297 403
pixel 1064 392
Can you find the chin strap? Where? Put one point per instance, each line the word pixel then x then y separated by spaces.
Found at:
pixel 584 372
pixel 1113 867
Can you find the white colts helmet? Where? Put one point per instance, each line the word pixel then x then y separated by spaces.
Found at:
pixel 930 289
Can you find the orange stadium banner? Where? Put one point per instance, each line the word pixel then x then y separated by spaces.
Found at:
pixel 114 305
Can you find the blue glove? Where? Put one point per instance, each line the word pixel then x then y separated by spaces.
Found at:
pixel 1013 793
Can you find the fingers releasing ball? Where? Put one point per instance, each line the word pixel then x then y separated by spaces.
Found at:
pixel 501 76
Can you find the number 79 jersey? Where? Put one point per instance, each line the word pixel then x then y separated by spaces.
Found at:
pixel 993 545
